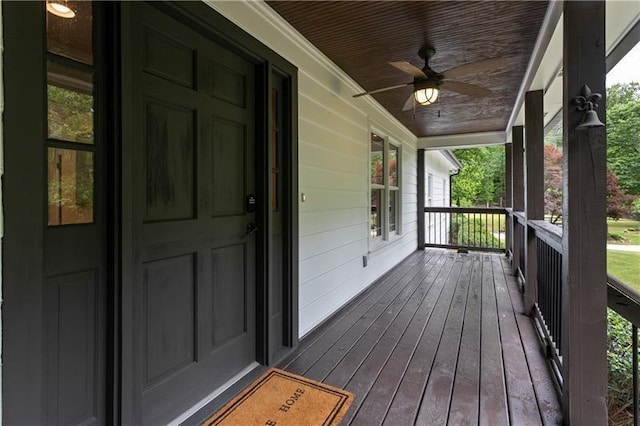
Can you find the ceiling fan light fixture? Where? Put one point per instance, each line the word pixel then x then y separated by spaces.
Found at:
pixel 60 8
pixel 426 96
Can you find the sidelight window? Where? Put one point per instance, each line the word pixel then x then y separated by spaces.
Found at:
pixel 71 104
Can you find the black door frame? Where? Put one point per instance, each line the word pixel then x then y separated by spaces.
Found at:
pixel 209 23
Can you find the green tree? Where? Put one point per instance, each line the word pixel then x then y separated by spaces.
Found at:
pixel 623 135
pixel 481 179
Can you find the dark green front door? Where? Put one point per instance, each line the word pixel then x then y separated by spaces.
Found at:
pixel 189 200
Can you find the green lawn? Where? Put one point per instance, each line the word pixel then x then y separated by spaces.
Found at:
pixel 628 229
pixel 625 266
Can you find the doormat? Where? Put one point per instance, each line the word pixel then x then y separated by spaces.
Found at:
pixel 279 398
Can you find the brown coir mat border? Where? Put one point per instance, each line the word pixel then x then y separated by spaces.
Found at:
pixel 280 398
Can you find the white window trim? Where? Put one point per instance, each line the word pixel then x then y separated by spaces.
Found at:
pixel 429 189
pixel 386 237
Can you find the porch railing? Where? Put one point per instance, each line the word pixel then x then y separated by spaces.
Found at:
pixel 472 228
pixel 548 309
pixel 518 222
pixel 547 313
pixel 625 303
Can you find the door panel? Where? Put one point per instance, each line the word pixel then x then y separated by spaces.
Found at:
pixel 192 137
pixel 169 289
pixel 169 152
pixel 229 293
pixel 74 373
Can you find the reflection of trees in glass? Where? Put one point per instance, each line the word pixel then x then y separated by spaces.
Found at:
pixel 375 219
pixel 377 168
pixel 70 115
pixel 70 186
pixel 393 165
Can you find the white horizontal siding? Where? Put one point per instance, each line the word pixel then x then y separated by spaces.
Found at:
pixel 334 171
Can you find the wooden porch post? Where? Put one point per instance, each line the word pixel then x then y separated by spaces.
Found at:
pixel 517 190
pixel 517 168
pixel 507 198
pixel 584 298
pixel 421 230
pixel 508 174
pixel 534 188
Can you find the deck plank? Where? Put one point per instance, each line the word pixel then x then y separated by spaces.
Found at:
pixel 367 327
pixel 422 347
pixel 386 363
pixel 493 397
pixel 546 395
pixel 405 404
pixel 376 340
pixel 436 400
pixel 356 320
pixel 465 401
pixel 523 407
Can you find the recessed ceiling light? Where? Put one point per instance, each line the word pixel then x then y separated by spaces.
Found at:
pixel 60 9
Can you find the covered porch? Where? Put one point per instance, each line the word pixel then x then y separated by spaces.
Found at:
pixel 326 268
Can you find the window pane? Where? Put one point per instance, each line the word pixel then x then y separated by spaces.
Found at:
pixel 393 209
pixel 70 104
pixel 376 213
pixel 377 160
pixel 393 165
pixel 70 186
pixel 70 36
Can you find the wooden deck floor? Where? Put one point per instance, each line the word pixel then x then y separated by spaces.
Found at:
pixel 440 339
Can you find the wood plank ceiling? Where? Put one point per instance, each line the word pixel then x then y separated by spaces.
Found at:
pixel 361 37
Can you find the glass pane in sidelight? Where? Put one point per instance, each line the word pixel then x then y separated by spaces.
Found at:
pixel 70 186
pixel 69 104
pixel 70 29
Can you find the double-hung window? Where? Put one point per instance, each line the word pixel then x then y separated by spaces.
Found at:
pixel 385 191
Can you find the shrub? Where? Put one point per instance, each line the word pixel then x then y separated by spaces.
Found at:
pixel 620 366
pixel 615 237
pixel 471 231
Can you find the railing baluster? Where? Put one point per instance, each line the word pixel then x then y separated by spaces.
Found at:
pixel 471 228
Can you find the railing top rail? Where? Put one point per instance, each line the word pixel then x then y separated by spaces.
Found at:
pixel 493 210
pixel 520 215
pixel 622 299
pixel 548 232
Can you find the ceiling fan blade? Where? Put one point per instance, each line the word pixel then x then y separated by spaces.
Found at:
pixel 476 67
pixel 409 69
pixel 408 105
pixel 384 89
pixel 465 89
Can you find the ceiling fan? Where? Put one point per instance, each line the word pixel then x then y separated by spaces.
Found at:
pixel 427 83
